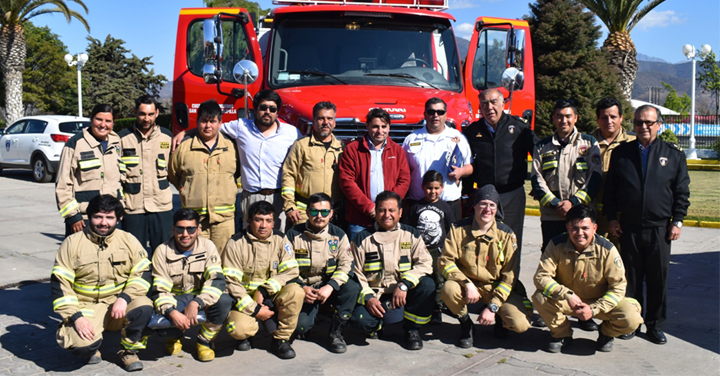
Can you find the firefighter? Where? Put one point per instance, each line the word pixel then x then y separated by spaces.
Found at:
pixel 311 165
pixel 89 166
pixel 393 267
pixel 187 278
pixel 203 171
pixel 148 198
pixel 480 263
pixel 258 263
pixel 581 274
pixel 99 282
pixel 323 253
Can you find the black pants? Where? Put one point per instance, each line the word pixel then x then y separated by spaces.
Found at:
pixel 551 229
pixel 156 227
pixel 419 304
pixel 646 254
pixel 216 313
pixel 343 300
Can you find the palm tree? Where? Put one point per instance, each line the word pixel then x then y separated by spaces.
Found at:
pixel 13 15
pixel 620 17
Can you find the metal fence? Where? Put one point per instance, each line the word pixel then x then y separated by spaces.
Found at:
pixel 707 129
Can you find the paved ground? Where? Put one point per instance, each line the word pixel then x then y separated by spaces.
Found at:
pixel 31 230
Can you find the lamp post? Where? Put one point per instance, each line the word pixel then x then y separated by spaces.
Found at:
pixel 81 60
pixel 691 53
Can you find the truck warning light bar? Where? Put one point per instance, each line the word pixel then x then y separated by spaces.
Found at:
pixel 419 4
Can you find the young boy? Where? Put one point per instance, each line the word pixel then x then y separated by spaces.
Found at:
pixel 433 217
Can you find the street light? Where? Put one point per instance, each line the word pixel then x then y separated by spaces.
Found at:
pixel 691 53
pixel 81 60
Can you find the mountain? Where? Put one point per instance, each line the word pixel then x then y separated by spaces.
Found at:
pixel 463 47
pixel 643 57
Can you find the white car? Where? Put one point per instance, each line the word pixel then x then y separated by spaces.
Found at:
pixel 36 143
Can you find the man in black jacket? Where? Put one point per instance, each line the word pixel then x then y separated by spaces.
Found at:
pixel 648 183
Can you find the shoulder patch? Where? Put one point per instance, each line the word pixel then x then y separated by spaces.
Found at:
pixel 618 262
pixel 288 249
pixel 503 227
pixel 603 242
pixel 562 238
pixel 674 146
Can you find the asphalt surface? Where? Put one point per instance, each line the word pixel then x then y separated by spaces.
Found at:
pixel 31 231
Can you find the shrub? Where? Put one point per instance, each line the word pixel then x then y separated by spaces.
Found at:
pixel 669 136
pixel 164 121
pixel 716 148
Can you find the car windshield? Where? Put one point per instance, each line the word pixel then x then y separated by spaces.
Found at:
pixel 364 49
pixel 73 126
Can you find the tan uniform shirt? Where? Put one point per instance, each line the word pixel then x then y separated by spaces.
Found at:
pixel 595 273
pixel 199 274
pixel 310 168
pixel 324 257
pixel 206 180
pixel 385 258
pixel 487 260
pixel 606 152
pixel 146 183
pixel 95 269
pixel 85 172
pixel 250 264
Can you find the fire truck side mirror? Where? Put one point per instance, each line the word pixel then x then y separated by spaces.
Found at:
pixel 515 52
pixel 212 50
pixel 181 114
pixel 246 70
pixel 513 79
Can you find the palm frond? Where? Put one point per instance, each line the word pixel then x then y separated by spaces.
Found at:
pixel 643 12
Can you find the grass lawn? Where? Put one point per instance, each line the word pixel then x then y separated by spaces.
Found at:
pixel 704 196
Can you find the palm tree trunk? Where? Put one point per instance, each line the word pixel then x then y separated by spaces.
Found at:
pixel 12 63
pixel 623 56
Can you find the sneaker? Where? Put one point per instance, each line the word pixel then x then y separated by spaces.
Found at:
pixel 205 353
pixel 282 349
pixel 95 358
pixel 243 345
pixel 605 343
pixel 130 360
pixel 413 340
pixel 588 326
pixel 173 346
pixel 557 344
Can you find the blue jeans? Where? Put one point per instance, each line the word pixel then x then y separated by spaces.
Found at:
pixel 353 230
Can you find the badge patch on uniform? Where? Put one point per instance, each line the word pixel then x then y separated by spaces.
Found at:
pixel 301 251
pixel 164 145
pixel 596 158
pixel 511 129
pixel 405 245
pixel 275 265
pixel 333 245
pixel 583 150
pixel 415 143
pixel 142 254
pixel 288 249
pixel 618 262
pixel 456 139
pixel 117 149
pixel 663 161
pixel 214 259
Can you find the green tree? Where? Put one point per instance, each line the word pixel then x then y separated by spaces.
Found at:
pixel 709 79
pixel 568 63
pixel 14 14
pixel 620 17
pixel 250 6
pixel 111 76
pixel 674 102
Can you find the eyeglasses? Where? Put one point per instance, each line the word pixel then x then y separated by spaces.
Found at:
pixel 484 205
pixel 180 230
pixel 433 112
pixel 264 107
pixel 647 123
pixel 315 212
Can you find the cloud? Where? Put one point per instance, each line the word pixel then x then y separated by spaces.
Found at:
pixel 462 4
pixel 464 30
pixel 661 19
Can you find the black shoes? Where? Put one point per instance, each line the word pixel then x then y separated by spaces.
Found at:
pixel 605 343
pixel 588 326
pixel 656 336
pixel 282 349
pixel 557 344
pixel 538 321
pixel 413 340
pixel 630 335
pixel 467 328
pixel 243 345
pixel 499 330
pixel 436 318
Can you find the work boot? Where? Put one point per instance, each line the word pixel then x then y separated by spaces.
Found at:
pixel 337 342
pixel 630 335
pixel 173 345
pixel 243 344
pixel 205 352
pixel 499 330
pixel 467 329
pixel 95 358
pixel 604 343
pixel 557 344
pixel 375 334
pixel 413 340
pixel 130 360
pixel 537 321
pixel 282 349
pixel 436 318
pixel 588 326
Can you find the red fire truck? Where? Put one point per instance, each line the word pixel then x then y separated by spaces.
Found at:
pixel 393 54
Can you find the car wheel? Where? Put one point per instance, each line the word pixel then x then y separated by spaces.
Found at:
pixel 40 170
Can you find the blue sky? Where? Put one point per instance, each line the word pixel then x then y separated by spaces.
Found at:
pixel 149 27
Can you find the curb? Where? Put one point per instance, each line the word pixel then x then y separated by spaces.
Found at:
pixel 689 223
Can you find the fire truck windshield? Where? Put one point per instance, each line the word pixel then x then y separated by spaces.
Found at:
pixel 334 49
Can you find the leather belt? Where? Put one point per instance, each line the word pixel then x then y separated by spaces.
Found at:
pixel 266 192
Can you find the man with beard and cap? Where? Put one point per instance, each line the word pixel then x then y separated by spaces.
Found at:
pixel 480 263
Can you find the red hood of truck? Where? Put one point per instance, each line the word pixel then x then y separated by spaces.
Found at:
pixel 404 104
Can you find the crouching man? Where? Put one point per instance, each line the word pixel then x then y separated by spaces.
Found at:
pixel 582 274
pixel 258 264
pixel 188 278
pixel 99 282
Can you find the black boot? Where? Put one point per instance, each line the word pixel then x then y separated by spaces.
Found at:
pixel 337 342
pixel 282 349
pixel 466 332
pixel 499 330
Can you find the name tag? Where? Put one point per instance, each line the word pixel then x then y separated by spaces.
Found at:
pixel 405 245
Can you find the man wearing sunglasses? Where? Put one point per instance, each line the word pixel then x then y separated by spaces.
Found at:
pixel 187 278
pixel 311 165
pixel 433 147
pixel 647 188
pixel 322 251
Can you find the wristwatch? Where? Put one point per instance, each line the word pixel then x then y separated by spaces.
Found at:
pixel 493 307
pixel 678 224
pixel 403 287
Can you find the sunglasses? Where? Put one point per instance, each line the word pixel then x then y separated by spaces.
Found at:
pixel 315 212
pixel 647 123
pixel 180 230
pixel 433 112
pixel 264 107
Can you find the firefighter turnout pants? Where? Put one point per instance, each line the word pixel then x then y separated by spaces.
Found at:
pixel 137 316
pixel 218 232
pixel 623 319
pixel 419 304
pixel 343 300
pixel 287 305
pixel 514 312
pixel 216 316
